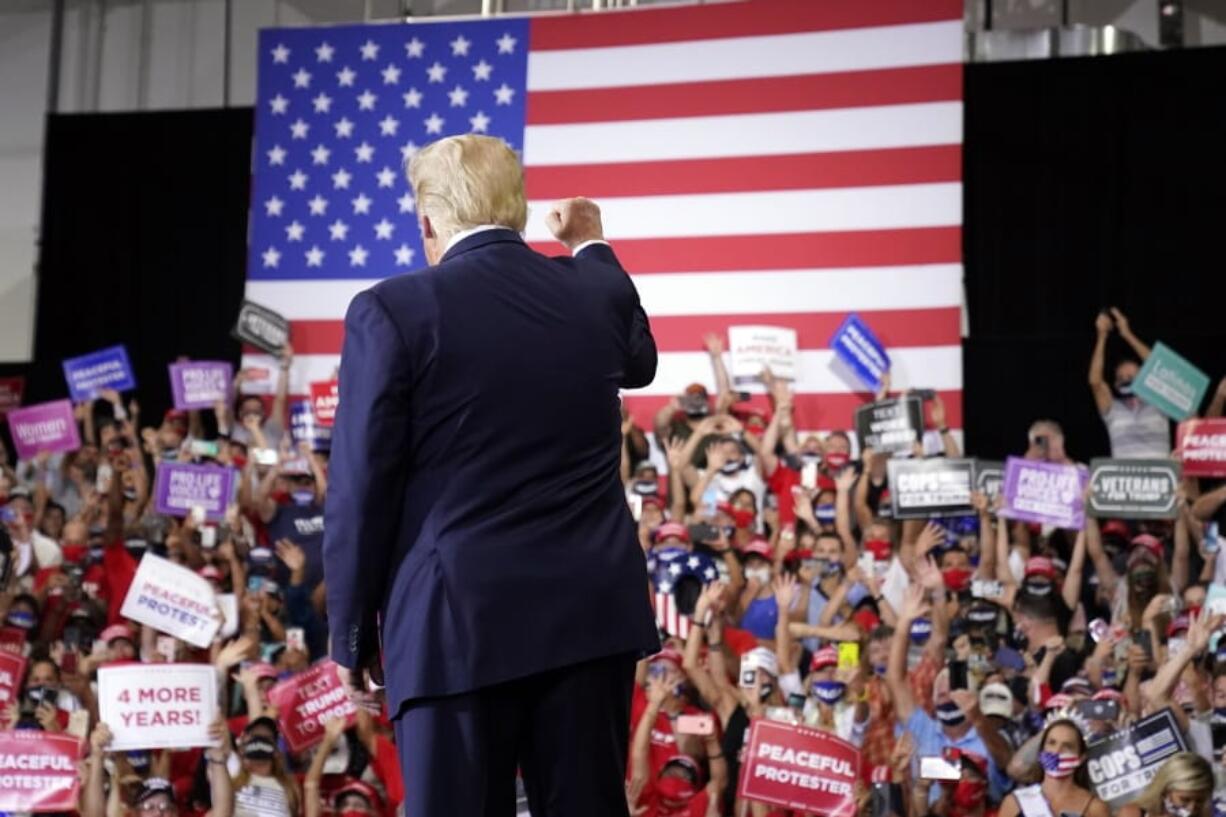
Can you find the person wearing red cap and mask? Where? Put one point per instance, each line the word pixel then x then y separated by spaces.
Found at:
pixel 353 798
pixel 664 742
pixel 756 603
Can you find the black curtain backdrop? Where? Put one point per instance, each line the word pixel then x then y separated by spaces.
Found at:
pixel 1087 182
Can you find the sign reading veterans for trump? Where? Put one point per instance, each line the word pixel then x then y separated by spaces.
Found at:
pixel 989 476
pixel 157 706
pixel 890 425
pixel 183 486
pixel 856 345
pixel 49 427
pixel 261 327
pixel 198 384
pixel 1170 383
pixel 38 771
pixel 1121 765
pixel 932 487
pixel 796 767
pixel 1134 489
pixel 87 375
pixel 754 348
pixel 1046 493
pixel 1202 447
pixel 308 700
pixel 174 600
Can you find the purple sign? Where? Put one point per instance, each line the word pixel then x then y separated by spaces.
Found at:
pixel 200 384
pixel 105 369
pixel 1044 492
pixel 182 487
pixel 47 427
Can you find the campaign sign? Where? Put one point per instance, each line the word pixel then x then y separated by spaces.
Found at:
pixel 796 767
pixel 308 700
pixel 889 426
pixel 754 348
pixel 38 771
pixel 304 426
pixel 261 327
pixel 1170 383
pixel 856 345
pixel 1046 493
pixel 1134 489
pixel 174 600
pixel 1202 447
pixel 989 476
pixel 47 427
pixel 1122 764
pixel 158 706
pixel 12 671
pixel 13 640
pixel 920 489
pixel 324 398
pixel 11 391
pixel 200 384
pixel 182 486
pixel 105 369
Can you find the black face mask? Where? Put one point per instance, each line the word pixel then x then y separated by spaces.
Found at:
pixel 258 749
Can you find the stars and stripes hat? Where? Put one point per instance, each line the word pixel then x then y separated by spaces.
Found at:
pixel 671 565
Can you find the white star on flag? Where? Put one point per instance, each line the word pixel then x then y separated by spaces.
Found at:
pixel 320 155
pixel 666 587
pixel 345 77
pixel 481 71
pixel 298 129
pixel 693 562
pixel 709 574
pixel 391 74
pixel 340 179
pixel 506 44
pixel 388 126
pixel 297 180
pixel 459 46
pixel 366 101
pixel 408 150
pixel 459 96
pixel 314 257
pixel 365 152
pixel 386 177
pixel 318 205
pixel 383 230
pixel 280 54
pixel 293 231
pixel 674 569
pixel 273 206
pixel 324 52
pixel 480 122
pixel 361 205
pixel 302 78
pixel 271 257
pixel 404 255
pixel 414 48
pixel 503 94
pixel 406 203
pixel 338 230
pixel 434 124
pixel 370 50
pixel 279 104
pixel 436 72
pixel 344 128
pixel 357 256
pixel 276 156
pixel 323 103
pixel 412 99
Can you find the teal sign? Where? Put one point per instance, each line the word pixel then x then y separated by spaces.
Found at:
pixel 1170 384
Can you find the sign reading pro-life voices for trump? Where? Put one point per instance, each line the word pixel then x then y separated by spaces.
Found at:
pixel 200 384
pixel 174 600
pixel 797 767
pixel 49 427
pixel 1046 493
pixel 182 487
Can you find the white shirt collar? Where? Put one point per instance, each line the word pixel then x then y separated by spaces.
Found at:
pixel 463 234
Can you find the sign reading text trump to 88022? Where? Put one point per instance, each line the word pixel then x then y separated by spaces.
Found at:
pixel 800 768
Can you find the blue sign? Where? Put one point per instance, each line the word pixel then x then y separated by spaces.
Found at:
pixel 304 426
pixel 856 345
pixel 105 369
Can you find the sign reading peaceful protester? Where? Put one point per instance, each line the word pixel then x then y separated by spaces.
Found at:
pixel 1134 489
pixel 200 384
pixel 1046 493
pixel 890 425
pixel 856 345
pixel 1122 764
pixel 1170 383
pixel 989 476
pixel 156 706
pixel 1202 447
pixel 49 427
pixel 308 700
pixel 38 771
pixel 174 600
pixel 183 486
pixel 88 375
pixel 754 348
pixel 796 767
pixel 931 487
pixel 261 327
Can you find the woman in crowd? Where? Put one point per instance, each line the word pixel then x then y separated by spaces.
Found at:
pixel 1065 785
pixel 1183 787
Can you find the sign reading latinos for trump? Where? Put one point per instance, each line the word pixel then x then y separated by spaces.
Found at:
pixel 182 486
pixel 932 487
pixel 157 706
pixel 796 767
pixel 87 375
pixel 174 600
pixel 1121 765
pixel 38 771
pixel 1202 447
pixel 989 476
pixel 308 700
pixel 754 348
pixel 889 426
pixel 1134 489
pixel 856 345
pixel 1044 492
pixel 47 427
pixel 1170 383
pixel 200 384
pixel 325 397
pixel 11 391
pixel 12 671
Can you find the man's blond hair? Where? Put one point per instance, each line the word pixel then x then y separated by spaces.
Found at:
pixel 466 181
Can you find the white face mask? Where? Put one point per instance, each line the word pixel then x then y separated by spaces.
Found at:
pixel 1173 810
pixel 761 575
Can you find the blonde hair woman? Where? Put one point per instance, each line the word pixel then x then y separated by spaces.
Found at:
pixel 1183 787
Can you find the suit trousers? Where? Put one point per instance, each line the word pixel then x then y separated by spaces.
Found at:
pixel 566 731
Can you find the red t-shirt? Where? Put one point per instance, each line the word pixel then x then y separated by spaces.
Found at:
pixel 696 807
pixel 663 741
pixel 781 483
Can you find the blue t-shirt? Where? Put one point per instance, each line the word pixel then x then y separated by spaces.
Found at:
pixel 930 740
pixel 761 617
pixel 304 526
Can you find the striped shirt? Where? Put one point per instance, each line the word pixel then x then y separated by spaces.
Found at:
pixel 1137 431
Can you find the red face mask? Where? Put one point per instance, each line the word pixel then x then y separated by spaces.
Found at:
pixel 675 793
pixel 956 579
pixel 741 519
pixel 968 795
pixel 880 548
pixel 836 461
pixel 280 497
pixel 353 812
pixel 74 553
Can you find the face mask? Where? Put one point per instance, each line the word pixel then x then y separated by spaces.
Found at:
pixel 741 519
pixel 21 619
pixel 732 467
pixel 949 714
pixel 1060 764
pixel 879 670
pixel 921 629
pixel 1173 810
pixel 302 498
pixel 74 553
pixel 354 812
pixel 829 692
pixel 1145 581
pixel 646 487
pixel 1219 715
pixel 1037 587
pixel 956 579
pixel 829 567
pixel 824 514
pixel 1123 390
pixel 969 794
pixel 836 461
pixel 761 575
pixel 808 458
pixel 675 790
pixel 880 548
pixel 258 749
pixel 765 691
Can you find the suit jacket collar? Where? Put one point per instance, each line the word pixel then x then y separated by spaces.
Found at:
pixel 480 239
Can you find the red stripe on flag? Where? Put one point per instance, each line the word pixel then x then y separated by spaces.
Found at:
pixel 801 171
pixel 740 253
pixel 719 20
pixel 850 89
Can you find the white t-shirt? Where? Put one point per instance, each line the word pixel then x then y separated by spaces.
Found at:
pixel 261 797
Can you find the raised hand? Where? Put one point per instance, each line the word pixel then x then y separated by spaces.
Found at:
pixel 713 343
pixel 574 221
pixel 293 556
pixel 674 450
pixel 784 588
pixel 715 457
pixel 1121 322
pixel 658 691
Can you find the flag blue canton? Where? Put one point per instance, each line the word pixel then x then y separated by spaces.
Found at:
pixel 340 110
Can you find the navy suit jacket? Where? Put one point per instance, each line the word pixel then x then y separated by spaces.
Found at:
pixel 474 513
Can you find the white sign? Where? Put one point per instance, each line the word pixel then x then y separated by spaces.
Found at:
pixel 228 604
pixel 174 600
pixel 156 706
pixel 755 348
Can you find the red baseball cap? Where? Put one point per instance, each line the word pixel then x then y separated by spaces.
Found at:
pixel 1116 527
pixel 1151 543
pixel 262 670
pixel 670 530
pixel 827 656
pixel 798 555
pixel 669 655
pixel 116 631
pixel 759 547
pixel 1179 624
pixel 1040 566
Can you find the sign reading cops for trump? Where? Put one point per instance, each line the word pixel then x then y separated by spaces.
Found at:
pixel 1134 489
pixel 261 327
pixel 1170 384
pixel 888 426
pixel 933 487
pixel 1046 493
pixel 754 348
pixel 989 476
pixel 174 600
pixel 856 345
pixel 1202 447
pixel 1122 764
pixel 105 369
pixel 182 487
pixel 799 768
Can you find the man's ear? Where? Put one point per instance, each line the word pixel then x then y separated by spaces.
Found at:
pixel 427 229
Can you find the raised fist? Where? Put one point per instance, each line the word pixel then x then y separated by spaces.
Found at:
pixel 574 221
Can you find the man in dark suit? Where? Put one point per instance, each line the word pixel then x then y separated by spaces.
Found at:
pixel 477 537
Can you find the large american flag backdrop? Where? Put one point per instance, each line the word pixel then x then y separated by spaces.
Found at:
pixel 764 162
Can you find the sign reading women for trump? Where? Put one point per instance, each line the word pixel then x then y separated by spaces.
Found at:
pixel 47 427
pixel 155 706
pixel 1046 493
pixel 198 384
pixel 796 767
pixel 174 600
pixel 38 771
pixel 182 487
pixel 308 700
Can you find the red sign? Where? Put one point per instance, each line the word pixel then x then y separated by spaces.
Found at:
pixel 307 701
pixel 11 390
pixel 12 670
pixel 324 398
pixel 1202 447
pixel 38 771
pixel 12 640
pixel 800 768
